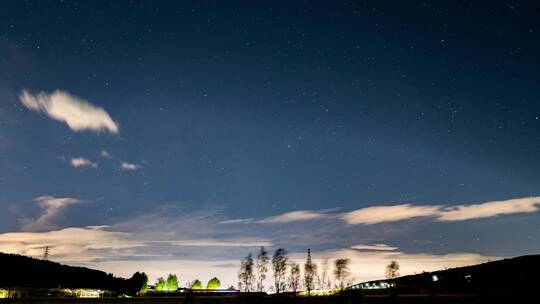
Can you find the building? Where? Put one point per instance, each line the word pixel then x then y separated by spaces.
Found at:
pixel 378 284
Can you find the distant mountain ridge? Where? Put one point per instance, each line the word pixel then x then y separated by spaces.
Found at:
pixel 23 271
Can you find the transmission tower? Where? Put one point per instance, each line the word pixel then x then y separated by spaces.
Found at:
pixel 46 253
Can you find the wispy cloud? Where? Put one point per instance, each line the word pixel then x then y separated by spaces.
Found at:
pixel 125 166
pixel 381 214
pixel 242 242
pixel 52 207
pixel 77 113
pixel 82 162
pixel 378 247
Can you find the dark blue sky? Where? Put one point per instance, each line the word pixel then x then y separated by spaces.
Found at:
pixel 252 109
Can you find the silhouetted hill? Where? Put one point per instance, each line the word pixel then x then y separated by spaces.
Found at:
pixel 22 271
pixel 520 274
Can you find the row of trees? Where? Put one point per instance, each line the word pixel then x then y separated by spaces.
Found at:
pixel 287 275
pixel 171 284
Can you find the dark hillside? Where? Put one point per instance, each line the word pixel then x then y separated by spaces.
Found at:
pixel 497 277
pixel 22 271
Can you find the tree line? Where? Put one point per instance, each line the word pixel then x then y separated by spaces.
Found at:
pixel 286 273
pixel 171 284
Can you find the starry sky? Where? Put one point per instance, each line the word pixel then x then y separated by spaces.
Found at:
pixel 152 135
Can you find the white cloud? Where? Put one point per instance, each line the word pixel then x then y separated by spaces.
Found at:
pixel 381 214
pixel 52 207
pixel 393 213
pixel 489 209
pixel 105 154
pixel 379 247
pixel 77 113
pixel 82 162
pixel 125 166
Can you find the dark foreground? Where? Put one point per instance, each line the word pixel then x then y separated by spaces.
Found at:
pixel 346 299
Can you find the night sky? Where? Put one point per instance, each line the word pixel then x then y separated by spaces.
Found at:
pixel 179 137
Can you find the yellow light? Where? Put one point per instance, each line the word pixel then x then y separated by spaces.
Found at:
pixel 319 292
pixel 88 293
pixel 3 293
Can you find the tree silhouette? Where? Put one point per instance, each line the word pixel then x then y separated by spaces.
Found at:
pixel 392 271
pixel 139 281
pixel 341 272
pixel 214 283
pixel 310 271
pixel 279 266
pixel 294 277
pixel 262 268
pixel 245 274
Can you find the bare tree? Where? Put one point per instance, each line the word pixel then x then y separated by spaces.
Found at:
pixel 342 272
pixel 392 270
pixel 310 272
pixel 294 277
pixel 279 266
pixel 325 279
pixel 245 274
pixel 262 268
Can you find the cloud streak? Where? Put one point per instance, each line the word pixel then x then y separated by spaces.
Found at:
pixel 441 213
pixel 77 113
pixel 293 216
pixel 489 209
pixel 288 217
